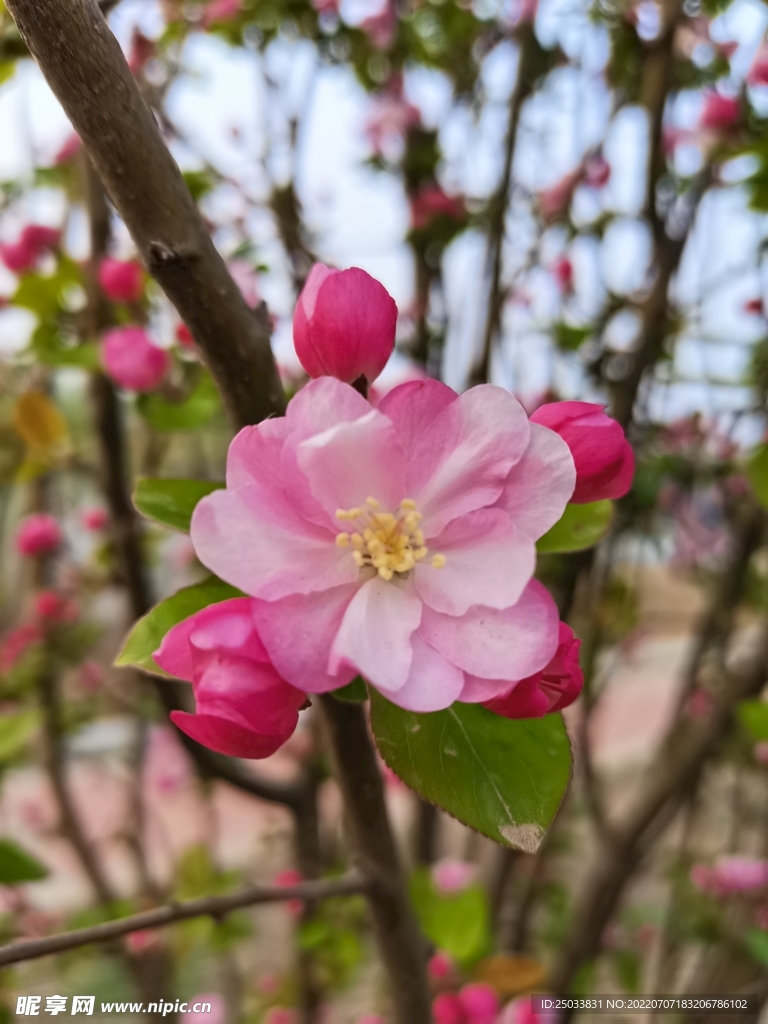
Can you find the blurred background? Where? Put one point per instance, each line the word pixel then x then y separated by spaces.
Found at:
pixel 567 199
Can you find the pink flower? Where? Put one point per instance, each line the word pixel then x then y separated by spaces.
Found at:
pixel 16 643
pixel 700 704
pixel 391 115
pixel 720 113
pixel 54 608
pixel 39 534
pixel 761 753
pixel 754 306
pixel 121 281
pixel 141 941
pixel 91 676
pixel 244 708
pixel 94 519
pixel 480 1003
pixel 326 6
pixel 216 1015
pixel 184 336
pixel 69 149
pixel 553 202
pixel 141 52
pixel 451 876
pixel 381 28
pixel 758 73
pixel 40 237
pixel 23 255
pixel 447 1009
pixel 344 324
pixel 597 171
pixel 730 875
pixel 430 202
pixel 287 879
pixel 426 590
pixel 440 966
pixel 605 463
pixel 221 10
pixel 131 360
pixel 552 689
pixel 562 271
pixel 519 1011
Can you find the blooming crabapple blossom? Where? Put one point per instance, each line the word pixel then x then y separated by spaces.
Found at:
pixel 244 708
pixel 397 542
pixel 604 459
pixel 344 324
pixel 39 534
pixel 552 689
pixel 451 876
pixel 121 281
pixel 131 360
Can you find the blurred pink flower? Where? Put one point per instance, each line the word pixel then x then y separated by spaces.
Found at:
pixel 391 115
pixel 243 706
pixel 597 171
pixel 142 50
pixel 246 280
pixel 167 766
pixel 95 518
pixel 280 1015
pixel 69 149
pixel 720 113
pixel 562 271
pixel 382 26
pixel 440 966
pixel 464 483
pixel 326 6
pixel 16 643
pixel 39 534
pixel 91 676
pixel 23 255
pixel 479 1002
pixel 56 608
pixel 729 875
pixel 556 687
pixel 760 753
pixel 553 202
pixel 758 72
pixel 452 876
pixel 447 1009
pixel 344 324
pixel 268 984
pixel 121 281
pixel 132 360
pixel 700 704
pixel 139 942
pixel 184 336
pixel 220 11
pixel 754 306
pixel 431 202
pixel 286 879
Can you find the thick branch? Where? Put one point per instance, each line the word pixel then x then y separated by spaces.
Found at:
pixel 208 906
pixel 85 68
pixel 402 947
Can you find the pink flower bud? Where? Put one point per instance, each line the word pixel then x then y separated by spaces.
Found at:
pixel 451 876
pixel 52 607
pixel 141 941
pixel 221 10
pixel 40 237
pixel 552 689
pixel 480 1003
pixel 447 1009
pixel 730 875
pixel 141 52
pixel 430 202
pixel 184 336
pixel 17 257
pixel 562 271
pixel 720 113
pixel 754 307
pixel 605 463
pixel 244 708
pixel 440 966
pixel 131 360
pixel 94 519
pixel 39 534
pixel 23 255
pixel 121 281
pixel 16 643
pixel 344 324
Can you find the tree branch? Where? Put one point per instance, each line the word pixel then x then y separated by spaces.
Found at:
pixel 84 65
pixel 207 906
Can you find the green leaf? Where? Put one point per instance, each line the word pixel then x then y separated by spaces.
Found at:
pixel 356 691
pixel 15 732
pixel 458 922
pixel 756 942
pixel 171 502
pixel 753 715
pixel 502 777
pixel 581 526
pixel 16 865
pixel 757 473
pixel 147 634
pixel 569 339
pixel 190 414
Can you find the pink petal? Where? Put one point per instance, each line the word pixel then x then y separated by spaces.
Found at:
pixel 509 644
pixel 539 487
pixel 254 455
pixel 487 563
pixel 375 634
pixel 462 459
pixel 226 737
pixel 324 403
pixel 232 621
pixel 317 275
pixel 433 683
pixel 478 691
pixel 298 632
pixel 413 406
pixel 260 556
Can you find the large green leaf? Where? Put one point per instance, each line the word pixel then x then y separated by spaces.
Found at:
pixel 757 472
pixel 581 526
pixel 18 866
pixel 457 922
pixel 190 414
pixel 147 634
pixel 15 733
pixel 171 502
pixel 502 777
pixel 753 715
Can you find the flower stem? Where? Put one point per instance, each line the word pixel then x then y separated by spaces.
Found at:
pixel 402 947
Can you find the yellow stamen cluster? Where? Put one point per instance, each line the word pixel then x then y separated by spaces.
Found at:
pixel 390 542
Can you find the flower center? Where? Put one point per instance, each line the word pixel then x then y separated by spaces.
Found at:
pixel 389 542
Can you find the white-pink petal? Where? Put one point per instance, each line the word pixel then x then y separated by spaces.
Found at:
pixel 433 683
pixel 540 485
pixel 509 644
pixel 477 690
pixel 254 454
pixel 375 634
pixel 487 562
pixel 235 537
pixel 324 403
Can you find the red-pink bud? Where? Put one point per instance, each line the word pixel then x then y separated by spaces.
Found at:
pixel 131 360
pixel 344 324
pixel 605 463
pixel 440 966
pixel 552 689
pixel 184 336
pixel 40 237
pixel 286 879
pixel 39 534
pixel 53 607
pixel 720 113
pixel 480 1003
pixel 16 643
pixel 244 708
pixel 94 519
pixel 447 1009
pixel 121 281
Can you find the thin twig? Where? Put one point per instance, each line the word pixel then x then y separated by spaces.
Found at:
pixel 208 906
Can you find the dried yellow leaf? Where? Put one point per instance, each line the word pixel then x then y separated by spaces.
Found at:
pixel 38 421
